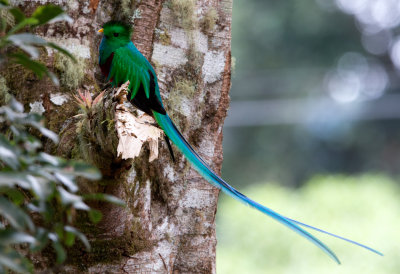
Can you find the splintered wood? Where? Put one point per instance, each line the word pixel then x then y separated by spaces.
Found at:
pixel 134 131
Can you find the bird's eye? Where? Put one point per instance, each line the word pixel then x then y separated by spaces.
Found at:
pixel 116 34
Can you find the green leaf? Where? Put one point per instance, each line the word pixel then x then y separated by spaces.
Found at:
pixel 46 132
pixel 22 24
pixel 78 234
pixel 59 229
pixel 15 195
pixel 53 78
pixel 61 254
pixel 4 2
pixel 10 178
pixel 39 69
pixel 31 145
pixel 40 187
pixel 9 153
pixel 16 106
pixel 95 216
pixel 85 170
pixel 15 216
pixel 44 14
pixel 18 15
pixel 105 198
pixel 72 199
pixel 69 239
pixel 42 239
pixel 11 236
pixel 62 50
pixel 8 157
pixel 49 159
pixel 67 181
pixel 28 42
pixel 12 116
pixel 29 118
pixel 11 259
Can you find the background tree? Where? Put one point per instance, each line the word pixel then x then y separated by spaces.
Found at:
pixel 319 119
pixel 321 83
pixel 168 224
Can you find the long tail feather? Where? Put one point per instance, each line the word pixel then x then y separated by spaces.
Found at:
pixel 336 236
pixel 176 137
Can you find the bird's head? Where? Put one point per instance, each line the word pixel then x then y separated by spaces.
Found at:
pixel 116 33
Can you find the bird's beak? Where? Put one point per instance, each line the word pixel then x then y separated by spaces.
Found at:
pixel 101 30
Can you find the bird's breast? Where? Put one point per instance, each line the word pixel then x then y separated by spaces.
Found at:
pixel 106 66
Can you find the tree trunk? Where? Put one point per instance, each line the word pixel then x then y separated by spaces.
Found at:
pixel 168 225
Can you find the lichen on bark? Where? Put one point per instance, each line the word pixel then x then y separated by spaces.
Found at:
pixel 71 73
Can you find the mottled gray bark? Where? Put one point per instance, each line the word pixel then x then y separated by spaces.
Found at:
pixel 169 222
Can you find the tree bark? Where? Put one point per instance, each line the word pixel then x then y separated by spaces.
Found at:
pixel 168 225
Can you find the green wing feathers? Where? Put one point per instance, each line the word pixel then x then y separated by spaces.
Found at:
pixel 126 65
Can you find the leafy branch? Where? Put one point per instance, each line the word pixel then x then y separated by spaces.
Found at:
pixel 39 194
pixel 28 43
pixel 34 183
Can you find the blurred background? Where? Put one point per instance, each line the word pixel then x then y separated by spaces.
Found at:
pixel 313 132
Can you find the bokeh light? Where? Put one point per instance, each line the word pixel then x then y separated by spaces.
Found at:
pixel 344 87
pixel 356 78
pixel 377 21
pixel 378 42
pixel 395 53
pixel 352 7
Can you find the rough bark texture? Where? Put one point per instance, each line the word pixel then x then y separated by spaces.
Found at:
pixel 168 225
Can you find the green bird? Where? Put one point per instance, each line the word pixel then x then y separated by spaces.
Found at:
pixel 120 61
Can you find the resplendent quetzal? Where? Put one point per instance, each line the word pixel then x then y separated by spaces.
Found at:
pixel 121 61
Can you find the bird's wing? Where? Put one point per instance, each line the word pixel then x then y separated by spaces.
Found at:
pixel 130 65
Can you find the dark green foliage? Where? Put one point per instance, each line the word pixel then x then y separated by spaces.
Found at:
pixel 39 69
pixel 3 3
pixel 38 196
pixel 38 192
pixel 44 14
pixel 28 43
